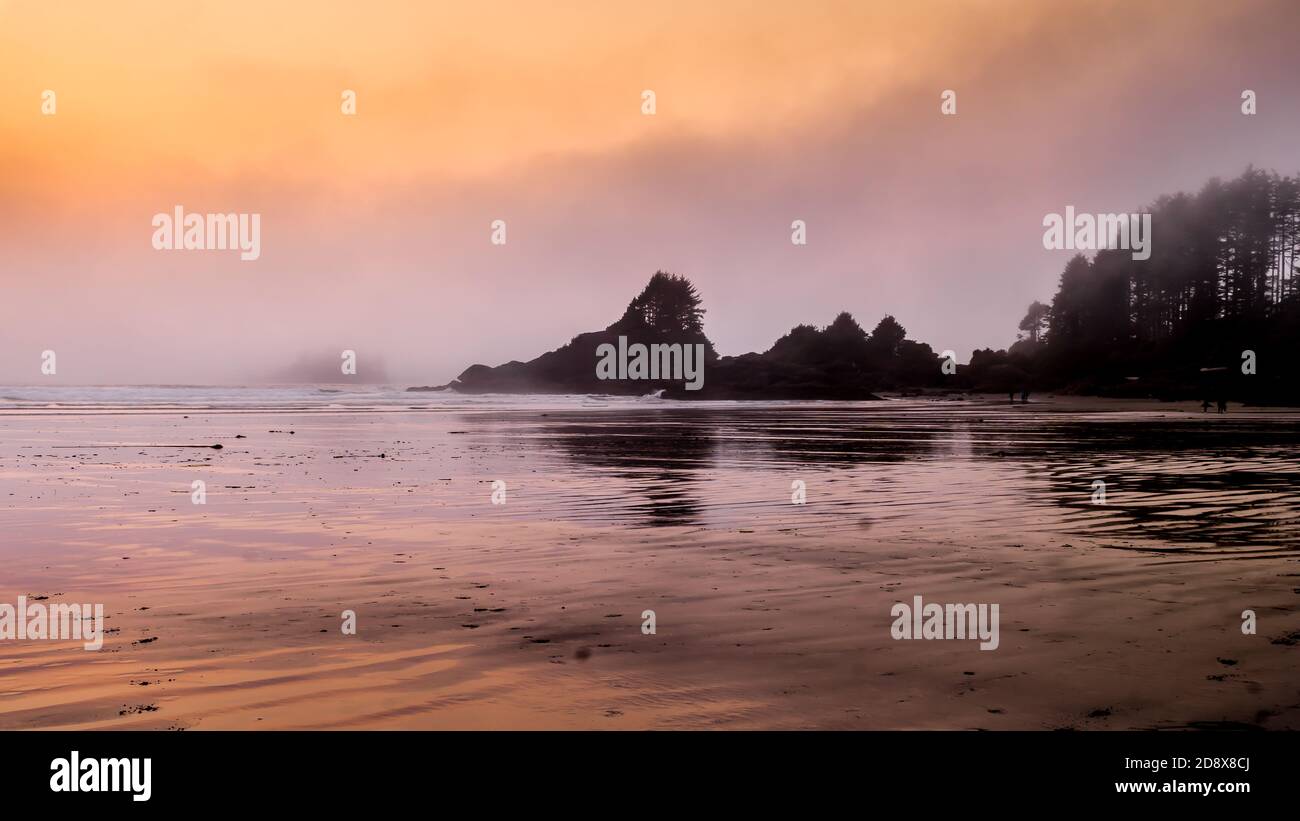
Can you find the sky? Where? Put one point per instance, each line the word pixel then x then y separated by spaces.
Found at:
pixel 376 227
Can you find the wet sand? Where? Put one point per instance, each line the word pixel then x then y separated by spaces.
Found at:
pixel 769 614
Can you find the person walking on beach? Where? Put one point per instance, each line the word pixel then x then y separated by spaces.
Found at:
pixel 1024 396
pixel 1205 406
pixel 1223 406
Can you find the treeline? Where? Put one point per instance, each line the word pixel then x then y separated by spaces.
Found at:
pixel 838 361
pixel 1222 280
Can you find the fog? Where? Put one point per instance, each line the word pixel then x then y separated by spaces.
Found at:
pixel 383 247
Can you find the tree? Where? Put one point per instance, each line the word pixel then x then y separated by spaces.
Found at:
pixel 1069 306
pixel 669 304
pixel 887 336
pixel 845 327
pixel 1035 321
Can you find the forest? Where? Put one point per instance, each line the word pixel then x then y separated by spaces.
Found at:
pixel 1214 312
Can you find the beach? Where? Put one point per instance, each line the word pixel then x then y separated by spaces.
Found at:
pixel 529 612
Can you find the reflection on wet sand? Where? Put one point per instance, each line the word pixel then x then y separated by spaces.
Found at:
pixel 770 614
pixel 659 459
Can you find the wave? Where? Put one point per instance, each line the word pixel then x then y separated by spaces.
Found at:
pixel 288 397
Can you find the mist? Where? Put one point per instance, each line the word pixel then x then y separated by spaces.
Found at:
pixel 934 219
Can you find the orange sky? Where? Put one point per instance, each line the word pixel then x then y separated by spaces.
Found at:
pixel 228 89
pixel 530 111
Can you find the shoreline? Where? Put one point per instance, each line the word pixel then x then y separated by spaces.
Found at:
pixel 327 397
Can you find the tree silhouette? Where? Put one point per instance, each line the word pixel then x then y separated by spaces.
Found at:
pixel 1035 321
pixel 1223 277
pixel 669 304
pixel 887 336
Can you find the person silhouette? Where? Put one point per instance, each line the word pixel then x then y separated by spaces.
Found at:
pixel 1205 406
pixel 1024 396
pixel 1223 406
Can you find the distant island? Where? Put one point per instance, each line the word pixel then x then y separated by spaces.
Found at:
pixel 1213 313
pixel 840 361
